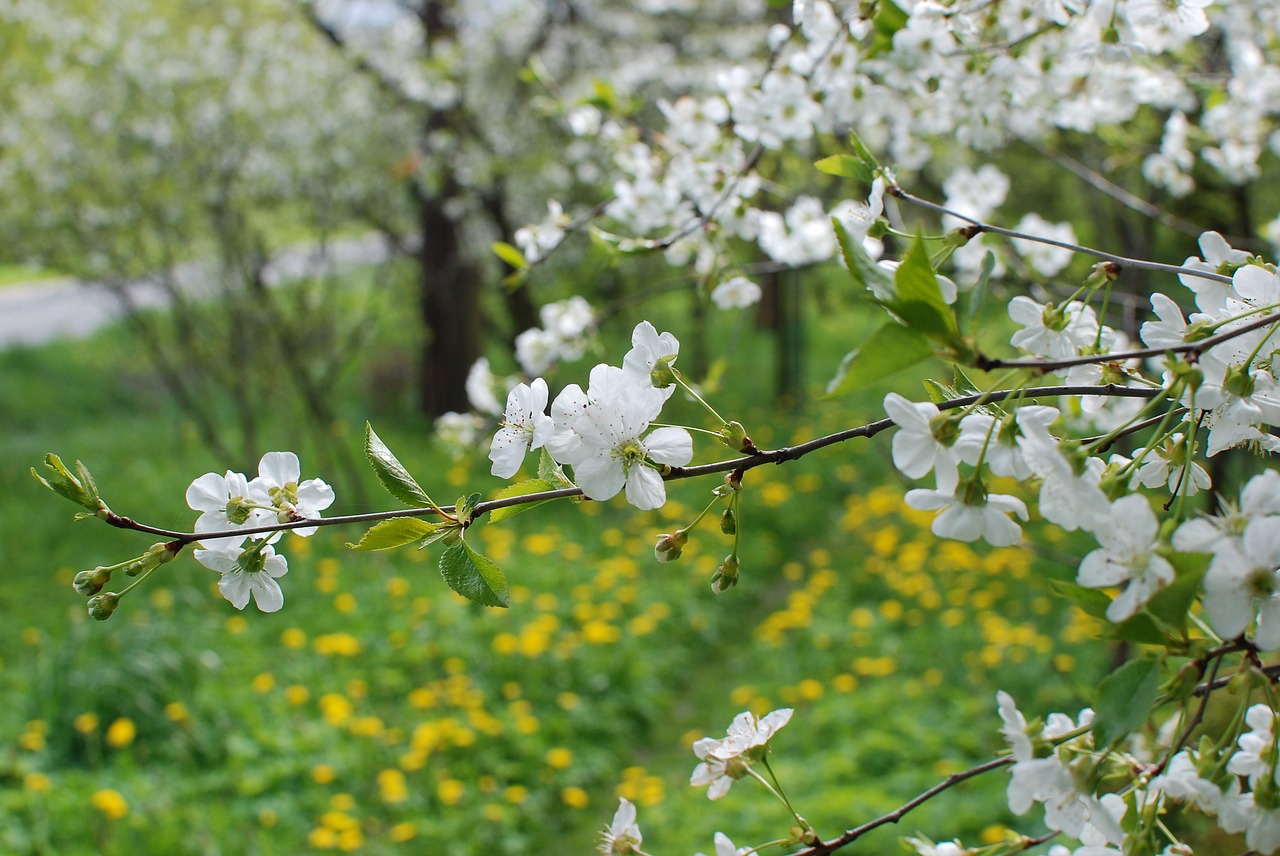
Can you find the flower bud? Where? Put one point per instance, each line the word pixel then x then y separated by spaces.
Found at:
pixel 729 522
pixel 669 547
pixel 663 375
pixel 91 582
pixel 733 435
pixel 726 576
pixel 101 606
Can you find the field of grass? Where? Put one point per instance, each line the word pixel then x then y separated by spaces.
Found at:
pixel 379 713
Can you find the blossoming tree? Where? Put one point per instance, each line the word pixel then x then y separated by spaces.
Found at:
pixel 1193 591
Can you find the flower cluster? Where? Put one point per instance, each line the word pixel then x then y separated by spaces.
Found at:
pixel 248 563
pixel 603 432
pixel 722 761
pixel 1057 765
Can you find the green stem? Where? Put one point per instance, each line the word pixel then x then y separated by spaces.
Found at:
pixel 698 398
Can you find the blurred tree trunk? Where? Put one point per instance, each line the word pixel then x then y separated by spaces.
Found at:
pixel 450 305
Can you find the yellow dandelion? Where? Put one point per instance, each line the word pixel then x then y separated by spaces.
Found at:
pixel 392 787
pixel 575 797
pixel 559 758
pixel 450 791
pixel 121 733
pixel 110 803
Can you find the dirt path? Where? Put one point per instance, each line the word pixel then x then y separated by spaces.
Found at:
pixel 39 312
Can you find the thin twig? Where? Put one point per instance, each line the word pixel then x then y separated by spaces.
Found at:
pixel 744 463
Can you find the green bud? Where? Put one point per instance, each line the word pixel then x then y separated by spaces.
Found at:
pixel 729 522
pixel 733 435
pixel 1238 381
pixel 663 375
pixel 726 576
pixel 91 582
pixel 669 547
pixel 101 606
pixel 1103 273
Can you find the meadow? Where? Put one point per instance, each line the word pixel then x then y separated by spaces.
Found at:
pixel 380 713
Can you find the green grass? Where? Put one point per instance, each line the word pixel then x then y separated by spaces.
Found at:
pixel 379 713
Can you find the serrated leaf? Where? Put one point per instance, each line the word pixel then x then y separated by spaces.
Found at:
pixel 862 268
pixel 392 474
pixel 552 472
pixel 917 299
pixel 474 576
pixel 961 381
pixel 465 506
pixel 1173 602
pixel 80 488
pixel 938 392
pixel 510 254
pixel 847 166
pixel 524 488
pixel 889 18
pixel 978 294
pixel 889 349
pixel 1091 601
pixel 396 533
pixel 1124 700
pixel 1141 628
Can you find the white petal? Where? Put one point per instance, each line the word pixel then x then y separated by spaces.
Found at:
pixel 277 469
pixel 645 489
pixel 672 446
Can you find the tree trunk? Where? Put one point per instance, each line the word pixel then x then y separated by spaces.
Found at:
pixel 450 310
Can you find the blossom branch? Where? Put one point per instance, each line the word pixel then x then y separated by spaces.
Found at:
pixel 744 463
pixel 851 835
pixel 1124 261
pixel 1196 348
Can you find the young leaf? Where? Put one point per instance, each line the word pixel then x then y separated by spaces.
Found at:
pixel 509 254
pixel 524 488
pixel 465 507
pixel 889 349
pixel 551 472
pixel 848 166
pixel 395 533
pixel 1173 602
pixel 394 477
pixel 1090 601
pixel 1124 700
pixel 862 268
pixel 918 299
pixel 474 576
pixel 80 488
pixel 978 294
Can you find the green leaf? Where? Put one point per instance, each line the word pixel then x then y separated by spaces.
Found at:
pixel 862 268
pixel 474 576
pixel 80 488
pixel 889 18
pixel 917 298
pixel 551 472
pixel 509 254
pixel 978 294
pixel 848 166
pixel 396 533
pixel 889 349
pixel 465 507
pixel 1141 628
pixel 962 383
pixel 1173 602
pixel 1124 700
pixel 1091 601
pixel 394 477
pixel 524 488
